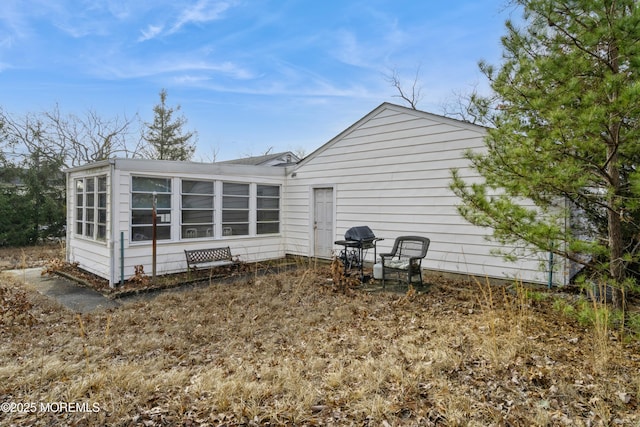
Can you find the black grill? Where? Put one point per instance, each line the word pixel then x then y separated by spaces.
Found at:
pixel 356 241
pixel 362 234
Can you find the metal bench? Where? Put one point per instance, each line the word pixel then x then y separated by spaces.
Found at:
pixel 405 258
pixel 214 257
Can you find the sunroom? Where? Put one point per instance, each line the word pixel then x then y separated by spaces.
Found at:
pixel 198 206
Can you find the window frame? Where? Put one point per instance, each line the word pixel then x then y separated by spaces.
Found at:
pixel 276 209
pixel 239 209
pixel 195 227
pixel 91 207
pixel 228 225
pixel 137 228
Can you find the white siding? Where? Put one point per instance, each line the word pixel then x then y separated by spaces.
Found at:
pixel 391 171
pixel 103 258
pixel 92 255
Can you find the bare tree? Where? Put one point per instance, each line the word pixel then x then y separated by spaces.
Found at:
pixel 300 152
pixel 469 107
pixel 71 139
pixel 92 138
pixel 414 96
pixel 212 156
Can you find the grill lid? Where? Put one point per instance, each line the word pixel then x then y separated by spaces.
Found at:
pixel 359 233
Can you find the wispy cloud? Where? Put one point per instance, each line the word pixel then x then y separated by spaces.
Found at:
pixel 13 25
pixel 202 11
pixel 151 32
pixel 178 69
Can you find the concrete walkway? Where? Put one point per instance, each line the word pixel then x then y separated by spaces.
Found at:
pixel 66 292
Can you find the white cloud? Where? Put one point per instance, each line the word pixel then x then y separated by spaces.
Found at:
pixel 151 32
pixel 13 25
pixel 202 11
pixel 185 69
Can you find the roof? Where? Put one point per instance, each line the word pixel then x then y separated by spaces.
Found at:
pixel 276 159
pixel 394 107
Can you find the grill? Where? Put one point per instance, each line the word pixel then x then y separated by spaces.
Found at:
pixel 361 234
pixel 356 241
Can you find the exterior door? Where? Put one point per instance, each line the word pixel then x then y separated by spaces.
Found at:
pixel 323 222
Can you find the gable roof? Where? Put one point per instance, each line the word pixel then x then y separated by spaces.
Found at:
pixel 286 158
pixel 394 107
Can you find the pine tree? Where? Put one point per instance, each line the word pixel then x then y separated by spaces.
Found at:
pixel 566 135
pixel 165 136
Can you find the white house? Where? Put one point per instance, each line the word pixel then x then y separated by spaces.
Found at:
pixel 391 170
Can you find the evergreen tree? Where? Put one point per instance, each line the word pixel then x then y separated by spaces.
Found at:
pixel 33 208
pixel 565 136
pixel 13 218
pixel 165 136
pixel 44 183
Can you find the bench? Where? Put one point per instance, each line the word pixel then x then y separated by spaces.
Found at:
pixel 405 258
pixel 214 257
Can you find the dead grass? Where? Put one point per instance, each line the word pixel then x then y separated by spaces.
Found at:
pixel 288 349
pixel 30 256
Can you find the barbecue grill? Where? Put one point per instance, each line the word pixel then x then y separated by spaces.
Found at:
pixel 356 241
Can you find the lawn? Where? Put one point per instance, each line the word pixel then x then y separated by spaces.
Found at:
pixel 291 349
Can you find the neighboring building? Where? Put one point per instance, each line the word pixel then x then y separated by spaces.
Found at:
pixel 390 171
pixel 276 159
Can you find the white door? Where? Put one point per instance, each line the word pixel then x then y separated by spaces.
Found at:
pixel 323 222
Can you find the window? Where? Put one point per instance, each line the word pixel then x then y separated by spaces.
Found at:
pixel 235 209
pixel 101 208
pixel 268 209
pixel 91 207
pixel 80 206
pixel 197 209
pixel 142 195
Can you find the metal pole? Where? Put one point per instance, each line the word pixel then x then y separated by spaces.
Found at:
pixel 122 258
pixel 550 281
pixel 154 237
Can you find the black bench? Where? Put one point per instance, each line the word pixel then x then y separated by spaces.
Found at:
pixel 405 257
pixel 214 257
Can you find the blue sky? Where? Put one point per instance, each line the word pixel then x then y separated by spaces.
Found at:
pixel 249 75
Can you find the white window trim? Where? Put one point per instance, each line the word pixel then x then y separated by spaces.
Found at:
pixel 218 196
pixel 214 234
pixel 96 208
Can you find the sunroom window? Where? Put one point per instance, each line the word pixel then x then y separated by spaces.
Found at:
pixel 101 208
pixel 197 209
pixel 91 207
pixel 235 209
pixel 268 209
pixel 142 195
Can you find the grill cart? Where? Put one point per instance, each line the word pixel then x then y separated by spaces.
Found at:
pixel 357 240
